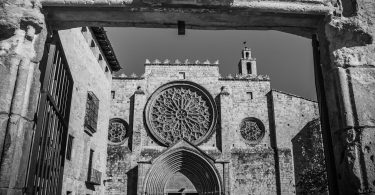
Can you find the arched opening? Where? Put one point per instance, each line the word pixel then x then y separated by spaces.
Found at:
pixel 183 162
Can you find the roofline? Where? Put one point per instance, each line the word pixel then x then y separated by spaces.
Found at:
pixel 294 95
pixel 105 46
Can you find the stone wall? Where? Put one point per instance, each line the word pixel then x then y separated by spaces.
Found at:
pixel 291 115
pixel 309 162
pixel 88 75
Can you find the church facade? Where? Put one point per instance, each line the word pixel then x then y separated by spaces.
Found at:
pixel 182 128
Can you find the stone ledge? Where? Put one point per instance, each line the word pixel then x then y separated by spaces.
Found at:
pixel 316 7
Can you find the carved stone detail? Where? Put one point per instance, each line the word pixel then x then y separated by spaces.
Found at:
pixel 117 131
pixel 181 110
pixel 252 130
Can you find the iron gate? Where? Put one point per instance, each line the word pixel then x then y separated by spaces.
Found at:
pixel 48 149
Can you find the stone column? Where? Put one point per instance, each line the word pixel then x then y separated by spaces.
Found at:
pixel 22 38
pixel 348 66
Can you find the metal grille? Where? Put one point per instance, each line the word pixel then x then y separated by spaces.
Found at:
pixel 92 106
pixel 48 149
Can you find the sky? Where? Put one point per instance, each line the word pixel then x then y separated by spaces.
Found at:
pixel 286 58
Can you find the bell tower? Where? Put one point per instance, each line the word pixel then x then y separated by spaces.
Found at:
pixel 247 64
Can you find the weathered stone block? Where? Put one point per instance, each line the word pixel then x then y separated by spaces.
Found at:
pixel 362 92
pixel 3 125
pixel 8 75
pixel 367 137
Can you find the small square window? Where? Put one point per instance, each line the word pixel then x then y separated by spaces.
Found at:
pixel 181 75
pixel 250 94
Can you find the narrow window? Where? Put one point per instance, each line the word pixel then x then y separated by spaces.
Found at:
pixel 248 67
pixel 250 94
pixel 181 75
pixel 113 94
pixel 90 165
pixel 100 57
pixel 247 55
pixel 91 118
pixel 106 69
pixel 69 148
pixel 181 27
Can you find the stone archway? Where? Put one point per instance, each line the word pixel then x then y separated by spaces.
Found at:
pixel 197 168
pixel 345 29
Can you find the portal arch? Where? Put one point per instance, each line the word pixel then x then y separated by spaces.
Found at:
pixel 196 167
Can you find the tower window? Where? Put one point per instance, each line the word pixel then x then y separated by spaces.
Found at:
pixel 247 55
pixel 248 67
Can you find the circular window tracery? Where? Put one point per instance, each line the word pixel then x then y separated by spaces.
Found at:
pixel 180 110
pixel 117 131
pixel 252 130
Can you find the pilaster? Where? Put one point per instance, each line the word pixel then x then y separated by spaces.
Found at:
pixel 23 34
pixel 226 106
pixel 348 61
pixel 139 132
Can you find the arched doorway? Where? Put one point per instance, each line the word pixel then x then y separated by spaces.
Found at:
pixel 184 162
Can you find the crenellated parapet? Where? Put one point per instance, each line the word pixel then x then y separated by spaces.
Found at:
pixel 177 62
pixel 248 77
pixel 133 76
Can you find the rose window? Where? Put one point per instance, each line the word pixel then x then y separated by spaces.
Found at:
pixel 181 110
pixel 117 131
pixel 252 130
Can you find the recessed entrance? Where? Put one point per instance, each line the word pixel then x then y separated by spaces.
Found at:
pixel 182 171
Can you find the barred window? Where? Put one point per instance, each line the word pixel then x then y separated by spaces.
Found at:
pixel 92 107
